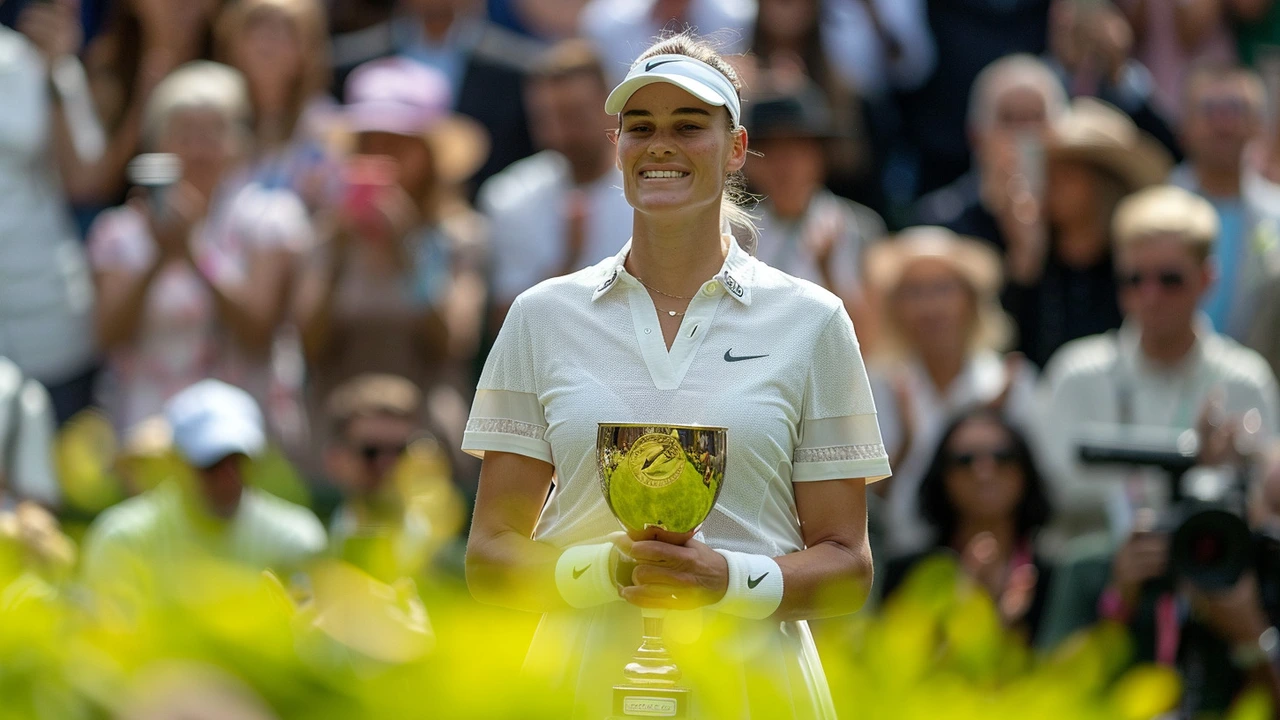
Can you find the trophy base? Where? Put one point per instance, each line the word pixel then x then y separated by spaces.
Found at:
pixel 640 701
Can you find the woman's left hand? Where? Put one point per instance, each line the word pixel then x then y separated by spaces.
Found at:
pixel 677 577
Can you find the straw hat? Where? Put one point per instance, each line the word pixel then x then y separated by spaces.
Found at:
pixel 971 259
pixel 974 261
pixel 1096 133
pixel 404 97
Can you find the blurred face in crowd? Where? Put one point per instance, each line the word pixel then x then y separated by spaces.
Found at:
pixel 934 308
pixel 788 172
pixel 675 151
pixel 1222 114
pixel 415 167
pixel 1161 282
pixel 787 21
pixel 1071 191
pixel 362 459
pixel 222 485
pixel 1018 109
pixel 205 142
pixel 269 53
pixel 566 115
pixel 985 479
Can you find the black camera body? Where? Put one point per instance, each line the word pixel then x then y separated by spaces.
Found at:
pixel 1211 543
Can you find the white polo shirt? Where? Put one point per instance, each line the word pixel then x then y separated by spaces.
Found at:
pixel 772 358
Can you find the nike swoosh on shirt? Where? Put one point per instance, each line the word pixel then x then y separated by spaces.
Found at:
pixel 753 583
pixel 730 357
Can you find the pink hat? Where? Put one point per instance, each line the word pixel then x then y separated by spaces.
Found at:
pixel 405 97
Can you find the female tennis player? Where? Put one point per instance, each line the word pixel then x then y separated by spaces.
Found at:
pixel 683 327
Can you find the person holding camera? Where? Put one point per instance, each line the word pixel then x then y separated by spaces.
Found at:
pixel 1164 369
pixel 193 273
pixel 398 287
pixel 1204 602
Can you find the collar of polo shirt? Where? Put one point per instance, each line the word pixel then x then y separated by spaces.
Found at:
pixel 735 275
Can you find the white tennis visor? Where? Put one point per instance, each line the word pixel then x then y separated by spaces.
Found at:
pixel 694 76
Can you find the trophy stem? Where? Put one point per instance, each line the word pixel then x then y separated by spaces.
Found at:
pixel 652 664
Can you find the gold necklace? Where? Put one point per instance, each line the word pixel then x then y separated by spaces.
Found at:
pixel 647 287
pixel 671 313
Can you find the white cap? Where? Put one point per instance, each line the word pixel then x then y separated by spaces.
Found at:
pixel 212 420
pixel 694 76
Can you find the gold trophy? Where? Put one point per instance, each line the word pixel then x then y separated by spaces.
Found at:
pixel 661 482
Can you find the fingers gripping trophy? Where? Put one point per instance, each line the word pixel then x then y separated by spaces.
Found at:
pixel 661 482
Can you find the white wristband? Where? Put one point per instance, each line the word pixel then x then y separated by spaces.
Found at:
pixel 755 586
pixel 584 575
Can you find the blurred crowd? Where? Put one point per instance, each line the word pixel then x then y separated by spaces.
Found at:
pixel 253 253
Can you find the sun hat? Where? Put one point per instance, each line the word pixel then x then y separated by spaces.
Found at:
pixel 973 260
pixel 402 96
pixel 690 74
pixel 211 420
pixel 1102 136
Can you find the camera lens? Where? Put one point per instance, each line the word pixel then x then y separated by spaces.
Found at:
pixel 1211 549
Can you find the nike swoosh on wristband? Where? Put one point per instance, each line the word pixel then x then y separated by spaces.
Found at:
pixel 729 357
pixel 578 573
pixel 650 66
pixel 753 583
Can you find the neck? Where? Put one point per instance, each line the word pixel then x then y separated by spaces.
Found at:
pixel 377 507
pixel 677 254
pixel 1004 530
pixel 1223 182
pixel 1168 349
pixel 792 205
pixel 942 368
pixel 587 167
pixel 1077 243
pixel 437 24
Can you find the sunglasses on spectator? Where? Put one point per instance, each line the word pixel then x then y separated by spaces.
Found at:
pixel 1166 279
pixel 1003 456
pixel 372 452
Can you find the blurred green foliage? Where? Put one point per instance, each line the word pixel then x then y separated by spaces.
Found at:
pixel 224 642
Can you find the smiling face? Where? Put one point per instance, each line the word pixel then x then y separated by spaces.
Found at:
pixel 675 151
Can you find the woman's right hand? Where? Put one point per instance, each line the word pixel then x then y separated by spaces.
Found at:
pixel 172 219
pixel 1143 557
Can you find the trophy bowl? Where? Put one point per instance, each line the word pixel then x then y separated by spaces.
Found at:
pixel 661 481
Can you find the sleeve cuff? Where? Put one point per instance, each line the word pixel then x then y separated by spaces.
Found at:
pixel 476 443
pixel 871 470
pixel 840 447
